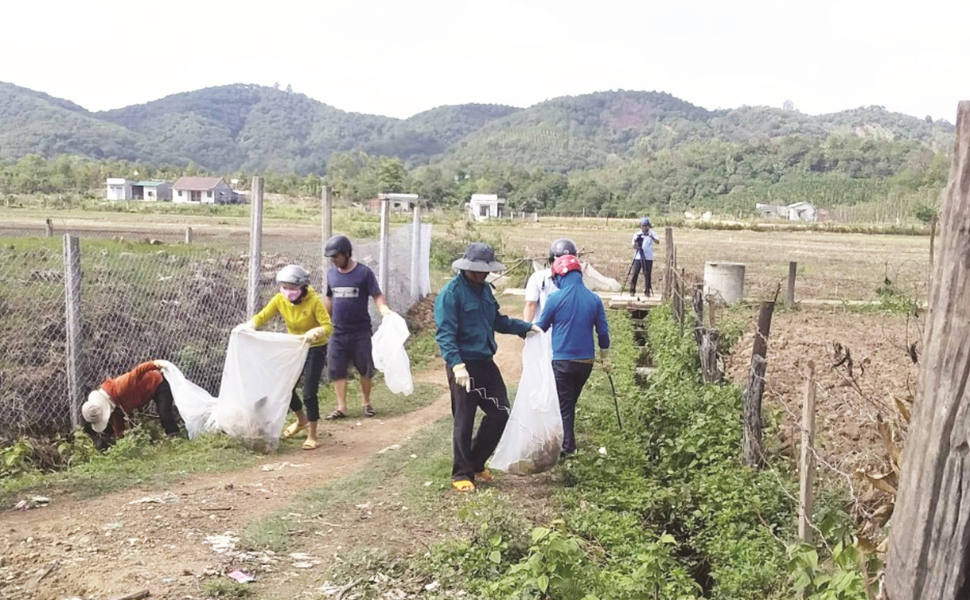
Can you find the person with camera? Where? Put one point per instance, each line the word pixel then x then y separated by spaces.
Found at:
pixel 643 241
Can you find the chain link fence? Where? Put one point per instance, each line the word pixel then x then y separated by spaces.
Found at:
pixel 145 293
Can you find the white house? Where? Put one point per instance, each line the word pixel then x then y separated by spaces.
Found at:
pixel 120 188
pixel 203 190
pixel 485 206
pixel 799 211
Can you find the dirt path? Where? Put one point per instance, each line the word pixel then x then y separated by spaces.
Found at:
pixel 164 541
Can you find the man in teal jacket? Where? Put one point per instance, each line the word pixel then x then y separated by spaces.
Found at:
pixel 467 316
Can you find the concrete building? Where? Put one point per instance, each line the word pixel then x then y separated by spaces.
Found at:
pixel 485 206
pixel 127 189
pixel 399 202
pixel 799 211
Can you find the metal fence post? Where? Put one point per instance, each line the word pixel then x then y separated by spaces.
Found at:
pixel 384 247
pixel 416 254
pixel 72 316
pixel 255 245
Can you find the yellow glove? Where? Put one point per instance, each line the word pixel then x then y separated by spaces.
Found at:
pixel 384 310
pixel 314 335
pixel 462 377
pixel 605 361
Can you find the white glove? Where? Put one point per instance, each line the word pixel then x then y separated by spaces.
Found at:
pixel 314 335
pixel 535 330
pixel 247 326
pixel 462 377
pixel 605 362
pixel 163 364
pixel 385 310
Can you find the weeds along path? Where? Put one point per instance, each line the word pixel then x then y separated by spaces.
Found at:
pixel 156 540
pixel 167 540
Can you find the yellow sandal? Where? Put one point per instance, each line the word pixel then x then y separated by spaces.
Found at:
pixel 295 428
pixel 310 444
pixel 463 485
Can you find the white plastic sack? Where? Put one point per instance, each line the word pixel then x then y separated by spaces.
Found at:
pixel 258 377
pixel 390 357
pixel 533 436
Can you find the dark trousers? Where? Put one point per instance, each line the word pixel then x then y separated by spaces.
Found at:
pixel 571 376
pixel 489 394
pixel 316 360
pixel 647 266
pixel 165 405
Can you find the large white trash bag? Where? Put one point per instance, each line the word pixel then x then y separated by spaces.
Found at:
pixel 390 357
pixel 532 439
pixel 258 377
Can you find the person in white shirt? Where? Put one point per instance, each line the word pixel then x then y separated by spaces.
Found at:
pixel 643 241
pixel 540 283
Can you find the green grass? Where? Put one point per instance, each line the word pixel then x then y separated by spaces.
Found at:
pixel 133 461
pixel 422 349
pixel 221 588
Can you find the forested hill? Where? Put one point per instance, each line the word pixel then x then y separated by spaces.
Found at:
pixel 247 127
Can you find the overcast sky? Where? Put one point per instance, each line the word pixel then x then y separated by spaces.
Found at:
pixel 399 58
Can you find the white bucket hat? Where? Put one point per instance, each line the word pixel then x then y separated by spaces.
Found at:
pixel 97 410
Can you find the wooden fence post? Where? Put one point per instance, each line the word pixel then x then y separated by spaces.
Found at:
pixel 806 496
pixel 790 293
pixel 756 387
pixel 697 297
pixel 929 548
pixel 188 235
pixel 668 264
pixel 72 317
pixel 49 229
pixel 255 245
pixel 682 299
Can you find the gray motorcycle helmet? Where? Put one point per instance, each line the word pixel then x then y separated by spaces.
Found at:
pixel 294 275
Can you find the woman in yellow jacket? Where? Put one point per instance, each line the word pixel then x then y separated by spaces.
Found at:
pixel 304 314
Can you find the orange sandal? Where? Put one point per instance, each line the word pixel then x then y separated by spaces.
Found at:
pixel 463 485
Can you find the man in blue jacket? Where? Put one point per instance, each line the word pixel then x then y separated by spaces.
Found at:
pixel 573 312
pixel 467 316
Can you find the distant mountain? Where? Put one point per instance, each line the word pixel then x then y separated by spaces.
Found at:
pixel 35 123
pixel 251 127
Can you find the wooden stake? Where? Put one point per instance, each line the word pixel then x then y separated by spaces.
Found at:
pixel 668 264
pixel 790 295
pixel 806 504
pixel 753 455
